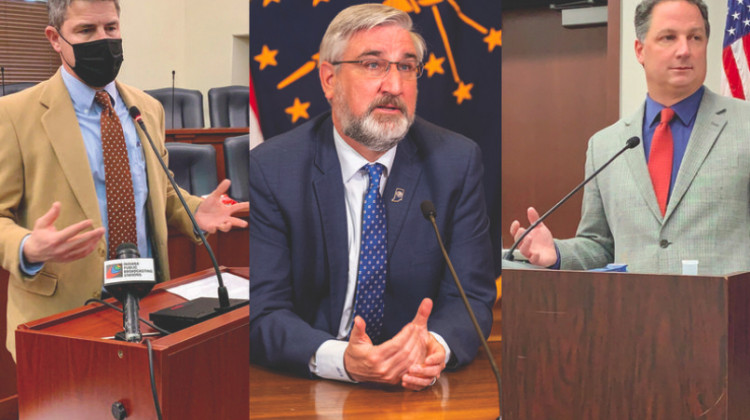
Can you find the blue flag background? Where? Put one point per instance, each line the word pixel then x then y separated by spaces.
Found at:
pixel 460 88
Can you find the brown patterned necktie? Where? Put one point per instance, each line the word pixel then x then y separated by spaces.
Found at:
pixel 117 178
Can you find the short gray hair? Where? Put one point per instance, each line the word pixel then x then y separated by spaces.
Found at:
pixel 364 17
pixel 643 16
pixel 58 9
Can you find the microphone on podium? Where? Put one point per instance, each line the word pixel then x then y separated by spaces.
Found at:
pixel 198 310
pixel 174 105
pixel 629 144
pixel 429 213
pixel 129 278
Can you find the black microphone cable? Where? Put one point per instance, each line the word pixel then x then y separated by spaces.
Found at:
pixel 105 303
pixel 152 376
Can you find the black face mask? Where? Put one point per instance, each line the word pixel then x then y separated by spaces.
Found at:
pixel 97 62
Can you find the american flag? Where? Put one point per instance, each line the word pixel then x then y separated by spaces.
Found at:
pixel 735 80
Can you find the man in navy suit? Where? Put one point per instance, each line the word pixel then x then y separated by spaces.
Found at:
pixel 327 196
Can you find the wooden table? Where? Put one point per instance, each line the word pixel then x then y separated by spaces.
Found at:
pixel 469 393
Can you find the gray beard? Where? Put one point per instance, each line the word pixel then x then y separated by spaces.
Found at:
pixel 377 133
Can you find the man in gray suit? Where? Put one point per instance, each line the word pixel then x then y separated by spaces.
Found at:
pixel 703 210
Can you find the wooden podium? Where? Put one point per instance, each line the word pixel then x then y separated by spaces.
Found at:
pixel 585 345
pixel 66 369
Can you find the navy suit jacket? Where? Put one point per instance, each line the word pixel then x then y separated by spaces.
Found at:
pixel 298 241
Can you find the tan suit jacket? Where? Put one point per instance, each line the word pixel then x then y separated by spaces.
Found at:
pixel 43 160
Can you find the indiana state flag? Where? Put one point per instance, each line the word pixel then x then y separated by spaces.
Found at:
pixel 460 88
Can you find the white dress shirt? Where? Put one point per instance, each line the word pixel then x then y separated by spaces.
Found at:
pixel 328 361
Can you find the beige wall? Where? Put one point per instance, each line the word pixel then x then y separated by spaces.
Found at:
pixel 632 80
pixel 204 42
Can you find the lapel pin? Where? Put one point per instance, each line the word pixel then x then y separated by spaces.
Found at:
pixel 398 195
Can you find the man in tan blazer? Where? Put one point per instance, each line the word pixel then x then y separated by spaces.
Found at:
pixel 53 240
pixel 706 216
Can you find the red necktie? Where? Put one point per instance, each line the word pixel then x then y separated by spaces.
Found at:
pixel 117 179
pixel 660 159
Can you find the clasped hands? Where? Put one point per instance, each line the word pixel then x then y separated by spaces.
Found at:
pixel 412 358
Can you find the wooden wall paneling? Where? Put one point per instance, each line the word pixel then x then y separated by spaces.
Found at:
pixel 560 86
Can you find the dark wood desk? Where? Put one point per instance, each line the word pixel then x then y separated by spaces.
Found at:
pixel 213 136
pixel 469 393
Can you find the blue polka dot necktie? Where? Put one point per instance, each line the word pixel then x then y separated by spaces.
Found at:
pixel 371 274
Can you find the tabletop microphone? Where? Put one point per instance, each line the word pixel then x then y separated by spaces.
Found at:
pixel 129 278
pixel 2 76
pixel 198 310
pixel 429 213
pixel 629 144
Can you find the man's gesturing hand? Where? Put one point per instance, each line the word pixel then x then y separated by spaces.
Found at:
pixel 46 243
pixel 539 246
pixel 213 215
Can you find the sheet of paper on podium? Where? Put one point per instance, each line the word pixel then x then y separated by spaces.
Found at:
pixel 238 287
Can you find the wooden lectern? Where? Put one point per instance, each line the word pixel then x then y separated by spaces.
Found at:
pixel 591 345
pixel 66 369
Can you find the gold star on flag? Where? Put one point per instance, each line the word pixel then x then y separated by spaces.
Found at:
pixel 494 39
pixel 266 57
pixel 434 65
pixel 407 6
pixel 298 110
pixel 267 2
pixel 315 2
pixel 463 92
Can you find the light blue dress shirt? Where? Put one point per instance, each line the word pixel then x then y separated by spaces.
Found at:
pixel 88 113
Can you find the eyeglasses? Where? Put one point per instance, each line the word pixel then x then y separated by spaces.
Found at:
pixel 378 67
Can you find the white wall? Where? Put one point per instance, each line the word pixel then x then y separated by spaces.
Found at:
pixel 632 80
pixel 204 42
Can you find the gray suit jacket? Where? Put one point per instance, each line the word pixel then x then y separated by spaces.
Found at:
pixel 707 217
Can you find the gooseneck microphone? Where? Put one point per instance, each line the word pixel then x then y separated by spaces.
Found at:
pixel 429 213
pixel 131 305
pixel 129 278
pixel 629 144
pixel 173 104
pixel 2 76
pixel 200 309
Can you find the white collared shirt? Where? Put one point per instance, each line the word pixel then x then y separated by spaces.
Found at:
pixel 328 361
